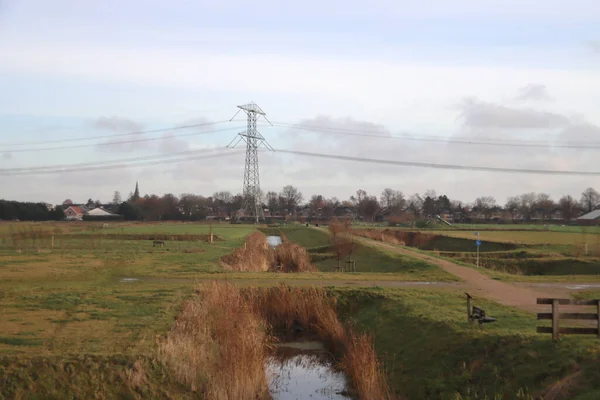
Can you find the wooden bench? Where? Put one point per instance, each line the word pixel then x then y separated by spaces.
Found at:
pixel 477 313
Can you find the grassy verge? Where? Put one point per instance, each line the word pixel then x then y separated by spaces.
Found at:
pixel 432 352
pixel 368 259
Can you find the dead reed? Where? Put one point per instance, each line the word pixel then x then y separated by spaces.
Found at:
pixel 257 255
pixel 218 344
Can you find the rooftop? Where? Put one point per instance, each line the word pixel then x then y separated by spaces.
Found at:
pixel 593 215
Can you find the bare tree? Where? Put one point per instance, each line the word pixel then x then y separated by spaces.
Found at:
pixel 485 205
pixel 569 208
pixel 292 197
pixel 545 205
pixel 590 199
pixel 512 206
pixel 343 242
pixel 526 205
pixel 117 197
pixel 223 196
pixel 388 197
pixel 272 202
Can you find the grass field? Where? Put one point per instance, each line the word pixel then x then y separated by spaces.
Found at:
pixel 73 318
pixel 432 352
pixel 368 259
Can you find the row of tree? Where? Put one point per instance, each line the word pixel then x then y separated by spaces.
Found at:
pixel 289 201
pixel 15 210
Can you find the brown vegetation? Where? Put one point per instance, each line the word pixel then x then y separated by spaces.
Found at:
pixel 219 343
pixel 257 255
pixel 343 242
pixel 413 239
pixel 217 346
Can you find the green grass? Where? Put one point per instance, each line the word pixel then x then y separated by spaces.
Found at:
pixel 432 352
pixel 368 259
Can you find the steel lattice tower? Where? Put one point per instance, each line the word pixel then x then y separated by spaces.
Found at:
pixel 252 203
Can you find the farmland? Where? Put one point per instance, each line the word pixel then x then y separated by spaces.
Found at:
pixel 96 298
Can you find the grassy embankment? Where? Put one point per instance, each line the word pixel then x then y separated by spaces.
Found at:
pixel 432 352
pixel 369 260
pixel 534 255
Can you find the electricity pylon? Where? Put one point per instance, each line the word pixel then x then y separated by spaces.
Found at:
pixel 252 204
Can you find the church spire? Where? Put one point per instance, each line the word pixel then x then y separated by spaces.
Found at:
pixel 136 194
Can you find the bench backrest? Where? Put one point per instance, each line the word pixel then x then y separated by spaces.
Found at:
pixel 478 312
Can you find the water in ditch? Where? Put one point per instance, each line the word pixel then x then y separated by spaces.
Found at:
pixel 302 370
pixel 274 241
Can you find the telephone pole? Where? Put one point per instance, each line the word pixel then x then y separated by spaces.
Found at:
pixel 252 203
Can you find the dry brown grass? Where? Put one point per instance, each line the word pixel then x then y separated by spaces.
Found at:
pixel 219 343
pixel 413 239
pixel 290 257
pixel 217 346
pixel 257 255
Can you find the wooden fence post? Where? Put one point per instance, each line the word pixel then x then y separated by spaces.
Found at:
pixel 555 316
pixel 469 320
pixel 598 311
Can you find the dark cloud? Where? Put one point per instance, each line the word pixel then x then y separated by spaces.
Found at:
pixel 535 92
pixel 479 114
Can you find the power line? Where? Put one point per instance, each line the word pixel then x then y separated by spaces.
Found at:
pixel 78 139
pixel 117 142
pixel 121 166
pixel 439 166
pixel 478 141
pixel 99 163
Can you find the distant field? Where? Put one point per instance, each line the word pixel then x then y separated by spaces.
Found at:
pixel 368 259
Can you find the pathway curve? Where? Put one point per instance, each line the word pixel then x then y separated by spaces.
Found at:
pixel 478 284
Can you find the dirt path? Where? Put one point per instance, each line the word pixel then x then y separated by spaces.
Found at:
pixel 478 284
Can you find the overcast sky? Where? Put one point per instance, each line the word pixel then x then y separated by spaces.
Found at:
pixel 512 70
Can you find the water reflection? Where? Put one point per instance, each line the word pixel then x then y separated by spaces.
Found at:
pixel 274 241
pixel 302 371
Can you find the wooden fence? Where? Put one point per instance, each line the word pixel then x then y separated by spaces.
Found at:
pixel 556 316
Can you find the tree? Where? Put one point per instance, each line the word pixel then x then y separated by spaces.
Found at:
pixel 117 197
pixel 291 197
pixel 90 203
pixel 343 242
pixel 569 208
pixel 415 204
pixel 170 207
pixel 369 207
pixel 272 202
pixel 485 206
pixel 223 197
pixel 545 205
pixel 443 204
pixel 590 199
pixel 317 202
pixel 512 205
pixel 388 197
pixel 526 205
pixel 131 212
pixel 429 206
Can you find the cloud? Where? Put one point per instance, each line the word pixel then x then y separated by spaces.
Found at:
pixel 6 155
pixel 581 132
pixel 533 91
pixel 479 114
pixel 594 45
pixel 116 124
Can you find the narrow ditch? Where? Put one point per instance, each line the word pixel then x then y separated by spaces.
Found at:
pixel 270 343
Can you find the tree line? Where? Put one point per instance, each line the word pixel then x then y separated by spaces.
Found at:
pixel 362 205
pixel 289 202
pixel 16 210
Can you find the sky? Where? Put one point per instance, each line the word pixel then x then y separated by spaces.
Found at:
pixel 463 70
